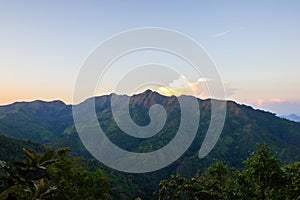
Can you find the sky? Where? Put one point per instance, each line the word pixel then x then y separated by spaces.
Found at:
pixel 255 46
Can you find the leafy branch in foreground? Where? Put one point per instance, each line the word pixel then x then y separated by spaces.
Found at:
pixel 27 180
pixel 52 175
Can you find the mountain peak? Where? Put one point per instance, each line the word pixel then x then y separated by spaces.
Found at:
pixel 147 92
pixel 149 97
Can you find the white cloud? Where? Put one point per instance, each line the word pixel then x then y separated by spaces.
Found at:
pixel 201 88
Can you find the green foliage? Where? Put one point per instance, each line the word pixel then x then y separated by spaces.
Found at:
pixel 52 175
pixel 291 175
pixel 74 182
pixel 11 149
pixel 215 183
pixel 262 178
pixel 173 188
pixel 27 180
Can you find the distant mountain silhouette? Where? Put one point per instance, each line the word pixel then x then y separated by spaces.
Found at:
pixel 292 117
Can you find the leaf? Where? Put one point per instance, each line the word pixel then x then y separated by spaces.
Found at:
pixel 35 173
pixel 47 157
pixel 29 154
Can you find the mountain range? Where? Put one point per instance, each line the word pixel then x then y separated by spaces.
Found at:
pixel 52 122
pixel 292 117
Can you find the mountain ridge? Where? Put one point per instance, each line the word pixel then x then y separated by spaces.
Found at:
pixel 55 118
pixel 244 128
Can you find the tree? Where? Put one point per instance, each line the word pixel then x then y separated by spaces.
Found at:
pixel 292 181
pixel 74 182
pixel 174 188
pixel 215 183
pixel 262 176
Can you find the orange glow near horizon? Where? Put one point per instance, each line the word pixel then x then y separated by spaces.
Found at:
pixel 13 96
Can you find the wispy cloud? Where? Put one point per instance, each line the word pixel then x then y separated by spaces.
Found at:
pixel 261 102
pixel 221 34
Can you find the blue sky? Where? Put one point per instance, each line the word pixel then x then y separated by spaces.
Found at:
pixel 254 44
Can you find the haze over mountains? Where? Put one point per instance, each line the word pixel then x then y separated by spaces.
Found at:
pixel 292 117
pixel 245 127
